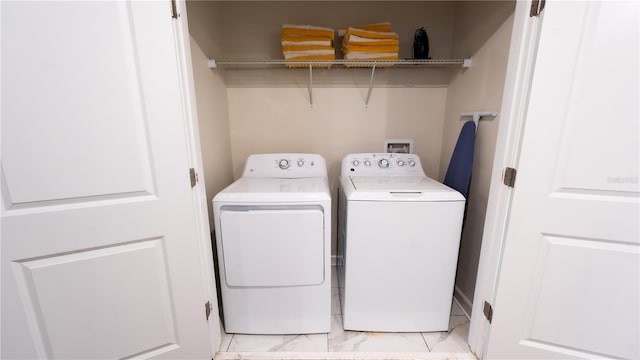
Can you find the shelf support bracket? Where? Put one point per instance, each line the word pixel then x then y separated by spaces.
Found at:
pixel 310 86
pixel 477 115
pixel 366 102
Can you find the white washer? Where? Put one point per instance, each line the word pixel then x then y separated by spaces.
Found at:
pixel 273 238
pixel 398 239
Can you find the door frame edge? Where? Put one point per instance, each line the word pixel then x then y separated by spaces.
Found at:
pixel 520 68
pixel 199 198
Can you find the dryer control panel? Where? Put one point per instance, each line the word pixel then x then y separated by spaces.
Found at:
pixel 285 165
pixel 382 164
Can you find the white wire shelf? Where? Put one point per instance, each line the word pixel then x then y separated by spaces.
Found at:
pixel 314 64
pixel 338 62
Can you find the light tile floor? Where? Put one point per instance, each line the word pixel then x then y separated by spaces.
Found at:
pixel 340 341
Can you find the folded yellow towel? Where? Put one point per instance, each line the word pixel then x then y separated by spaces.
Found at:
pixel 371 56
pixel 307 30
pixel 308 58
pixel 359 40
pixel 310 54
pixel 371 34
pixel 384 26
pixel 312 57
pixel 370 49
pixel 298 48
pixel 354 60
pixel 305 40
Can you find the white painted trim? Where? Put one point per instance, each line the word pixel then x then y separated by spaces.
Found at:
pixel 522 53
pixel 460 298
pixel 342 356
pixel 192 135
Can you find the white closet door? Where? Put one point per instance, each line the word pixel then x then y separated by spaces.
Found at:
pixel 569 285
pixel 99 249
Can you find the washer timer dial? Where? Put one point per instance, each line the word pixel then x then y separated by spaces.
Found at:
pixel 283 164
pixel 383 163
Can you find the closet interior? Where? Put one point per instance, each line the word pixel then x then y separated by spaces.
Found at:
pixel 249 102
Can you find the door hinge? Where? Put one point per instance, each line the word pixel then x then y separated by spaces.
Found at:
pixel 509 176
pixel 536 7
pixel 193 175
pixel 488 311
pixel 207 309
pixel 174 9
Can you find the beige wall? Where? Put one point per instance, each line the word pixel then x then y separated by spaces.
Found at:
pixel 213 121
pixel 266 120
pixel 281 120
pixel 478 88
pixel 252 28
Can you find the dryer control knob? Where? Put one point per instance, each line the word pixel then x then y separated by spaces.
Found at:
pixel 300 163
pixel 400 163
pixel 283 164
pixel 383 163
pixel 355 162
pixel 367 163
pixel 412 163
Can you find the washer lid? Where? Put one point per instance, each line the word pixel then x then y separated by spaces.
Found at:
pixel 248 189
pixel 416 188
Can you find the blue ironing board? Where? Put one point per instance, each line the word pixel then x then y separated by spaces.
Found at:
pixel 458 174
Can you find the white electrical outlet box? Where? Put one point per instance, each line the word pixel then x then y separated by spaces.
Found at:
pixel 402 146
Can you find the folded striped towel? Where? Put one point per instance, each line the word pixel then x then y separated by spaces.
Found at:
pixel 359 59
pixel 310 55
pixel 366 43
pixel 305 56
pixel 359 40
pixel 307 30
pixel 372 34
pixel 299 48
pixel 371 56
pixel 348 49
pixel 305 40
pixel 385 26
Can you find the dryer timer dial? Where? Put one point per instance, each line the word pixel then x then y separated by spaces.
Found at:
pixel 283 164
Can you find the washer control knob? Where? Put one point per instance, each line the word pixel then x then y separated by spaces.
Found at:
pixel 283 164
pixel 412 163
pixel 300 163
pixel 355 162
pixel 367 163
pixel 400 163
pixel 383 163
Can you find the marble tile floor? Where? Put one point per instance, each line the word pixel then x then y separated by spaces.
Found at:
pixel 341 344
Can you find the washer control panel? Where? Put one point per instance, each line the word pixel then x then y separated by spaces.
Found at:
pixel 285 166
pixel 381 164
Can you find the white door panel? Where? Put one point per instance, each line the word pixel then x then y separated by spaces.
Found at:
pixel 99 248
pixel 569 280
pixel 94 116
pixel 103 288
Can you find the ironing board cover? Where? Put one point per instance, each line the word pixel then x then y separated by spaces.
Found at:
pixel 458 174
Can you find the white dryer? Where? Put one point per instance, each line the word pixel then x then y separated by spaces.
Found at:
pixel 398 239
pixel 273 239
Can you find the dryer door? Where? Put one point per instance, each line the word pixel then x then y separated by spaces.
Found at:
pixel 272 246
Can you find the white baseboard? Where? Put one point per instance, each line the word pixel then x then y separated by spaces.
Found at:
pixel 463 302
